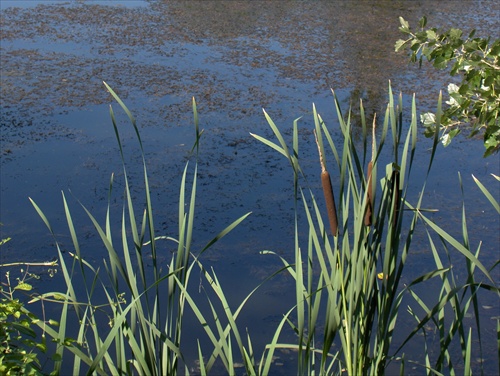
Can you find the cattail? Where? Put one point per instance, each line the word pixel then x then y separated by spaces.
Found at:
pixel 330 201
pixel 328 192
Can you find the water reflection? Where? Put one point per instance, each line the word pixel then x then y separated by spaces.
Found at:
pixel 235 57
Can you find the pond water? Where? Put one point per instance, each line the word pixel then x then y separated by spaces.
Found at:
pixel 235 58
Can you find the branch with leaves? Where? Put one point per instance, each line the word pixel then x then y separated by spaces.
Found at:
pixel 474 103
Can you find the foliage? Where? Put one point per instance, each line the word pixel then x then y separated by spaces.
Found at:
pixel 476 99
pixel 18 343
pixel 144 308
pixel 348 287
pixel 346 318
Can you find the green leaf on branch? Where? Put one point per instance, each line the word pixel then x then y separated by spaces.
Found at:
pixel 476 103
pixel 455 33
pixel 405 27
pixel 423 22
pixel 400 44
pixel 428 119
pixel 431 34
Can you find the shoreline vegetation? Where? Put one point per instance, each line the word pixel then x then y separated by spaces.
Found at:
pixel 349 259
pixel 128 313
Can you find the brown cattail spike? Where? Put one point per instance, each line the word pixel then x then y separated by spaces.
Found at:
pixel 328 192
pixel 330 201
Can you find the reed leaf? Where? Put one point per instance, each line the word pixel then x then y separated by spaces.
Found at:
pixel 487 194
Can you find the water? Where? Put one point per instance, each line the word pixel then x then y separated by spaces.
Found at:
pixel 235 58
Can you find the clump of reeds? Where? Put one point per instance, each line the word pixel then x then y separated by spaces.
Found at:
pixel 349 292
pixel 145 307
pixel 348 288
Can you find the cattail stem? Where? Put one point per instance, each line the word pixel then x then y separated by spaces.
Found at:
pixel 369 196
pixel 369 189
pixel 328 192
pixel 395 195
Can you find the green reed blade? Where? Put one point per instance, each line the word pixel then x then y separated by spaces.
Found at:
pixel 71 227
pixel 459 247
pixel 268 354
pixel 468 351
pixel 487 194
pixel 127 111
pixel 278 135
pixel 203 370
pixel 224 232
pixel 270 144
pixel 108 209
pixel 198 314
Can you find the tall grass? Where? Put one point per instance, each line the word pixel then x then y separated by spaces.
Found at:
pixel 349 293
pixel 347 275
pixel 145 307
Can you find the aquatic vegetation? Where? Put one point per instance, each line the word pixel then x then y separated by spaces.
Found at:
pixel 19 344
pixel 348 284
pixel 349 294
